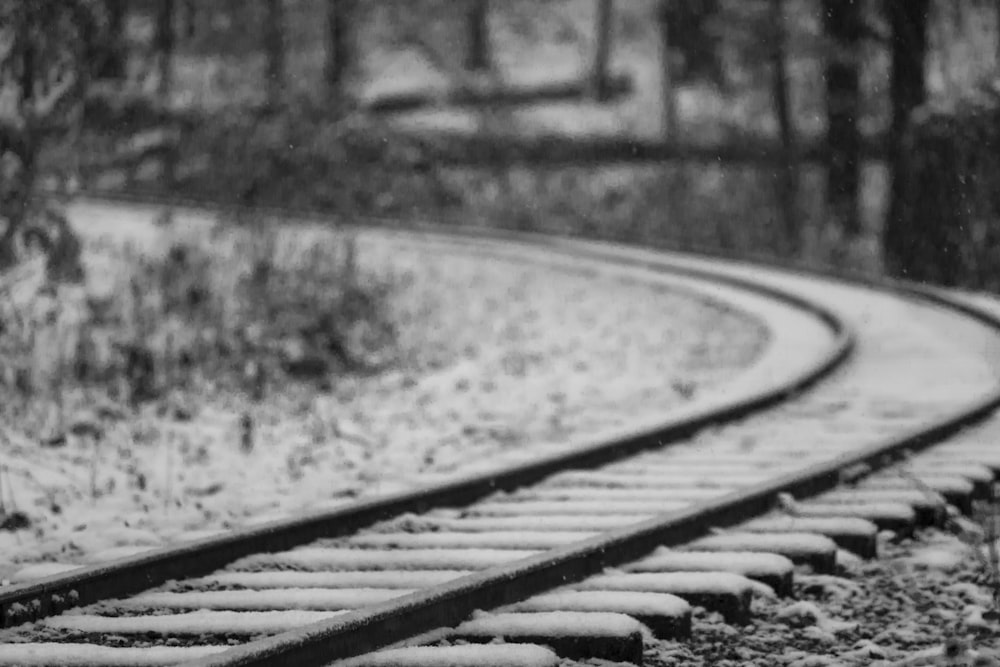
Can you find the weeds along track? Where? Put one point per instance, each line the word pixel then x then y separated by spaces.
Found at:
pixel 532 544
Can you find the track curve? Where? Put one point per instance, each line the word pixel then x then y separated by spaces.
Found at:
pixel 876 430
pixel 140 572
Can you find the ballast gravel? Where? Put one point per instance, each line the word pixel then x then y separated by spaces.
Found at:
pixel 921 603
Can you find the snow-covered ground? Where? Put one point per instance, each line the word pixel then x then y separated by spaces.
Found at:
pixel 509 354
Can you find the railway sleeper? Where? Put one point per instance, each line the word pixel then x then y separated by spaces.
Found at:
pixel 268 579
pixel 859 536
pixel 568 493
pixel 272 599
pixel 318 559
pixel 897 517
pixel 527 540
pixel 816 551
pixel 667 616
pixel 723 592
pixel 771 569
pixel 586 507
pixel 472 655
pixel 982 454
pixel 958 491
pixel 198 623
pixel 573 635
pixel 928 510
pixel 71 654
pixel 554 522
pixel 731 481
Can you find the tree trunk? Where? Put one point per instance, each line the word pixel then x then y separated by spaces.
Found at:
pixel 788 183
pixel 996 28
pixel 668 108
pixel 274 46
pixel 688 23
pixel 478 57
pixel 165 47
pixel 339 46
pixel 112 59
pixel 841 23
pixel 602 50
pixel 190 19
pixel 908 90
pixel 165 50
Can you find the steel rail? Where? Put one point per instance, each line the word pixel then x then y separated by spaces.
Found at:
pixel 447 605
pixel 55 594
pixel 365 630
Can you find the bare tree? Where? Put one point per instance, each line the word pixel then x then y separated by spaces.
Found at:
pixel 478 35
pixel 908 89
pixel 164 46
pixel 788 183
pixel 111 57
pixel 339 45
pixel 274 46
pixel 44 73
pixel 602 51
pixel 667 75
pixel 842 25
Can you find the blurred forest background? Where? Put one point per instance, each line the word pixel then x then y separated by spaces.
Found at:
pixel 859 134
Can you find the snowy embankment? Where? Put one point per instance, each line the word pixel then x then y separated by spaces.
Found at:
pixel 505 355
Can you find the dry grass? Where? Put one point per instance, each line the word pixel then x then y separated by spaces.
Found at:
pixel 238 312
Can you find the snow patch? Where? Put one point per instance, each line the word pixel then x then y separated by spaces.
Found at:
pixel 313 599
pixel 316 558
pixel 552 623
pixel 472 655
pixel 195 623
pixel 524 540
pixel 90 655
pixel 352 579
pixel 41 571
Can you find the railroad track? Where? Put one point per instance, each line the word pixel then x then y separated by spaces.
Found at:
pixel 533 543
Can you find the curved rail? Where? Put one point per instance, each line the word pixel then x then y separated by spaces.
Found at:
pixel 58 593
pixel 447 605
pixel 364 630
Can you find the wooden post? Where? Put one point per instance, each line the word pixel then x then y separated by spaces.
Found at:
pixel 274 45
pixel 478 56
pixel 788 183
pixel 841 23
pixel 602 51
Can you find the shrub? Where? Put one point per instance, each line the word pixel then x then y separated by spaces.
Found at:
pixel 242 311
pixel 307 156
